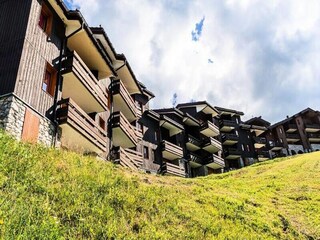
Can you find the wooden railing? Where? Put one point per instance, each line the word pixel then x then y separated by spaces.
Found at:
pixel 175 170
pixel 69 112
pixel 117 87
pixel 194 141
pixel 292 136
pixel 172 148
pixel 119 120
pixel 229 123
pixel 74 63
pixel 260 140
pixel 216 159
pixel 209 125
pixel 214 142
pixel 230 136
pixel 129 158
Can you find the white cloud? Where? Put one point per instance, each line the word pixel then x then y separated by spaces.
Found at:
pixel 266 53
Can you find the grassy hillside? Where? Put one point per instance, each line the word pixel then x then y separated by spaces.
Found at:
pixel 49 194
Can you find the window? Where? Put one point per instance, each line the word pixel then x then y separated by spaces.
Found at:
pixel 145 152
pixel 155 136
pixel 102 123
pixel 45 19
pixel 248 148
pixel 280 130
pixel 242 147
pixel 237 133
pixel 49 80
pixel 154 154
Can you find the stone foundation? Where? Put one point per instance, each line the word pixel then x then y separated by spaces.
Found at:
pixel 12 114
pixel 315 147
pixel 295 149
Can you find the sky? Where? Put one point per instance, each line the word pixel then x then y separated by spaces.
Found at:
pixel 259 57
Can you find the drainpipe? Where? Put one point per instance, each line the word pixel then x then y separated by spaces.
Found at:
pixel 109 120
pixel 64 42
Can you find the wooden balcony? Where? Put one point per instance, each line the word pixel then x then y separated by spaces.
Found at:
pixel 313 137
pixel 312 128
pixel 291 128
pixel 122 100
pixel 263 155
pixel 171 151
pixel 292 138
pixel 81 85
pixel 175 170
pixel 193 144
pixel 123 133
pixel 209 129
pixel 127 158
pixel 232 153
pixel 229 139
pixel 215 162
pixel 276 146
pixel 194 160
pixel 259 142
pixel 212 145
pixel 227 125
pixel 79 131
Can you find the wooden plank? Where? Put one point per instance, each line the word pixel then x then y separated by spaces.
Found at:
pixel 30 131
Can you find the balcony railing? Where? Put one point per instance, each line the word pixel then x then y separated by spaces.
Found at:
pixel 290 128
pixel 227 125
pixel 171 151
pixel 175 170
pixel 232 153
pixel 275 146
pixel 215 162
pixel 263 155
pixel 313 137
pixel 291 137
pixel 193 144
pixel 71 114
pixel 259 142
pixel 123 133
pixel 127 158
pixel 311 128
pixel 212 145
pixel 122 100
pixel 195 159
pixel 229 139
pixel 209 129
pixel 81 85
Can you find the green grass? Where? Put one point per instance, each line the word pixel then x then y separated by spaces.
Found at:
pixel 50 194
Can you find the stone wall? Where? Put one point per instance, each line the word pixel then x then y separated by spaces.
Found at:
pixel 12 113
pixel 295 148
pixel 315 147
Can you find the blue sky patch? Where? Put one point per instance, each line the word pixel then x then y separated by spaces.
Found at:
pixel 198 30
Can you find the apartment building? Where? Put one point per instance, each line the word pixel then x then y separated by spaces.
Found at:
pixel 63 84
pixel 54 76
pixel 299 133
pixel 258 128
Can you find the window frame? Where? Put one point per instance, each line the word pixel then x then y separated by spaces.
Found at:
pixel 50 83
pixel 145 152
pixel 47 14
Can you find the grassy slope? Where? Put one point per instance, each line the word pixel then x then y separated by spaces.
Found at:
pixel 55 194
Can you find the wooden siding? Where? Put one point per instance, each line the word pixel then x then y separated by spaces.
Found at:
pixel 13 23
pixel 38 49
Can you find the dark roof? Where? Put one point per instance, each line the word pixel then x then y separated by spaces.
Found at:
pixel 258 119
pixel 221 109
pixel 169 110
pixel 288 119
pixel 76 15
